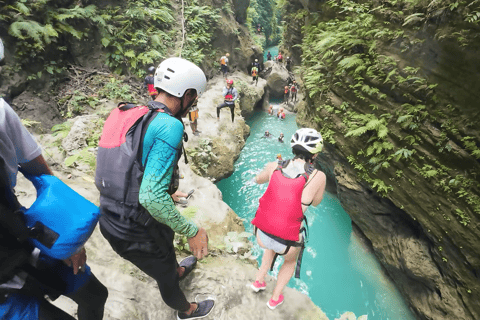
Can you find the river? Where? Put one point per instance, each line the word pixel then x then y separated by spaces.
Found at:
pixel 338 272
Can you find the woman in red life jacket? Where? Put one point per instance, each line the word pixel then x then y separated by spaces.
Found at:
pixel 293 185
pixel 148 83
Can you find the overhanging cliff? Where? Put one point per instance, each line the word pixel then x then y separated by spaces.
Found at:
pixel 392 87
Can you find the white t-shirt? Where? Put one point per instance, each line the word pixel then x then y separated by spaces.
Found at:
pixel 16 144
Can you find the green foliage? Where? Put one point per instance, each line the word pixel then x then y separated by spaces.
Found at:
pixel 266 13
pixel 115 89
pixel 29 123
pixel 136 34
pixel 82 156
pixel 60 131
pixel 202 155
pixel 200 24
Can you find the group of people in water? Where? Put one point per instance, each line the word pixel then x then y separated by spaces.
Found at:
pixel 137 177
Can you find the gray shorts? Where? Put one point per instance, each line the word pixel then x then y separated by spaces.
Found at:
pixel 270 243
pixel 273 244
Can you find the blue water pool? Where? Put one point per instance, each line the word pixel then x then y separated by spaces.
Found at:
pixel 338 273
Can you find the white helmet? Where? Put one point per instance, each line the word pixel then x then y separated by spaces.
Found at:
pixel 309 139
pixel 177 75
pixel 2 52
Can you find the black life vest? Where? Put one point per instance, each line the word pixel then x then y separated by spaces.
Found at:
pixel 119 171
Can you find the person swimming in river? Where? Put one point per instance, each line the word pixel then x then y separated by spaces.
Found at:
pixel 281 114
pixel 278 223
pixel 270 110
pixel 280 138
pixel 267 134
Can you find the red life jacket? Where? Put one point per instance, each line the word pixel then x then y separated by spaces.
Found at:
pixel 280 210
pixel 149 81
pixel 293 89
pixel 280 57
pixel 229 94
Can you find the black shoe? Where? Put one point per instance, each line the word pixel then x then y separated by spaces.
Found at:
pixel 189 263
pixel 203 309
pixel 198 131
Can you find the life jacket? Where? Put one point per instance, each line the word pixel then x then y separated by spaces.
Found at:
pixel 229 94
pixel 280 57
pixel 293 88
pixel 254 71
pixel 223 60
pixel 119 171
pixel 286 90
pixel 280 215
pixel 280 210
pixel 149 81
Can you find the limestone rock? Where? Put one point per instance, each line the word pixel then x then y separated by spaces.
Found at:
pixel 277 80
pixel 80 131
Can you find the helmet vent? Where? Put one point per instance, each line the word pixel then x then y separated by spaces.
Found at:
pixel 172 71
pixel 167 77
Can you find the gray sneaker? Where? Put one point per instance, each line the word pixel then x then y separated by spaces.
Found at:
pixel 203 309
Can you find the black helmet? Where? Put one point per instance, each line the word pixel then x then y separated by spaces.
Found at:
pixel 151 69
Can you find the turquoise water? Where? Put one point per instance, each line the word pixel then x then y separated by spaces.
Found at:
pixel 273 51
pixel 337 273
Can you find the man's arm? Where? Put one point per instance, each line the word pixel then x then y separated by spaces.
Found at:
pixel 36 167
pixel 235 94
pixel 158 174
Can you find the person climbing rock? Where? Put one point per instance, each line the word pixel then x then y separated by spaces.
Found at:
pixel 230 95
pixel 224 64
pixel 269 56
pixel 255 75
pixel 148 83
pixel 139 218
pixel 293 91
pixel 27 275
pixel 277 223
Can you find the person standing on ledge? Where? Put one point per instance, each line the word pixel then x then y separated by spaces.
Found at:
pixel 224 65
pixel 278 223
pixel 230 96
pixel 139 218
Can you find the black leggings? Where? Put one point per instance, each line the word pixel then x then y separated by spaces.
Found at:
pixel 223 105
pixel 90 298
pixel 158 262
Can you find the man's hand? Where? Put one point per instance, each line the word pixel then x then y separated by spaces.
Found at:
pixel 199 244
pixel 77 261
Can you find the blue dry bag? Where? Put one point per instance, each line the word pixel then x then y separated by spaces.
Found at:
pixel 62 220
